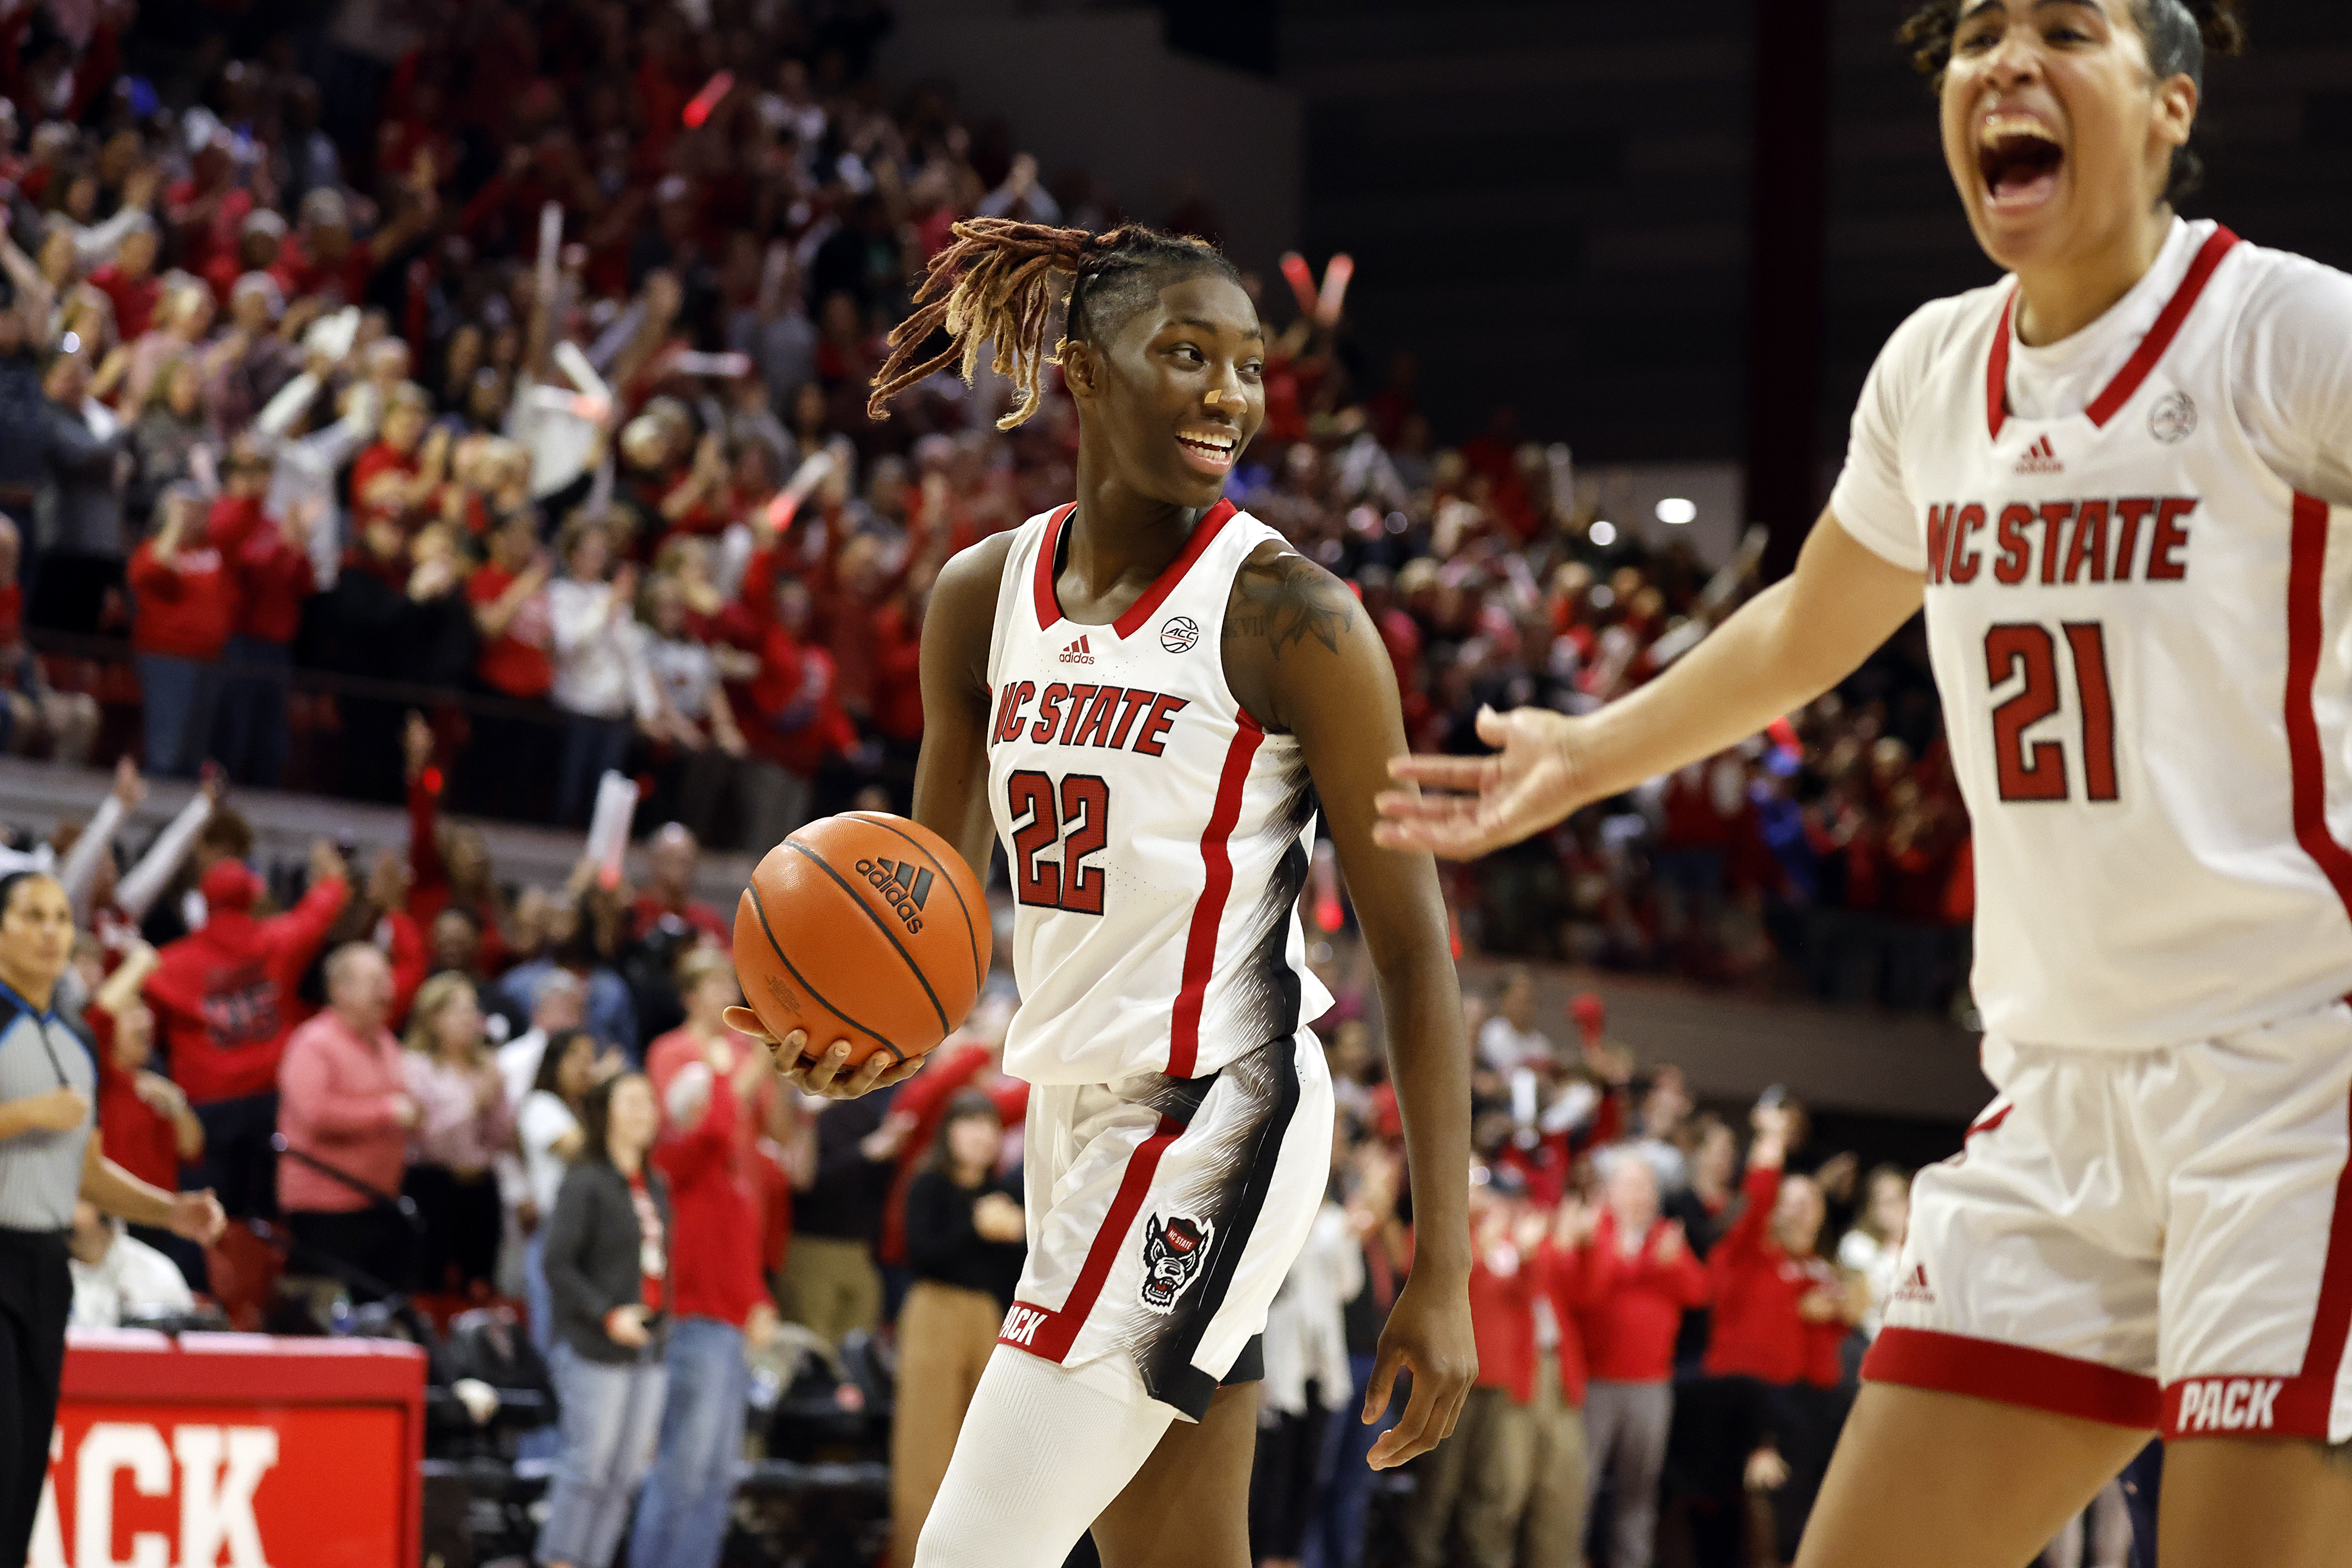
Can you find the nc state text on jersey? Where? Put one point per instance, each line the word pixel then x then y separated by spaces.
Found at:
pixel 2061 541
pixel 1081 715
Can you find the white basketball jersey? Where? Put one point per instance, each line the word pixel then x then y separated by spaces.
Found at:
pixel 1158 838
pixel 2140 633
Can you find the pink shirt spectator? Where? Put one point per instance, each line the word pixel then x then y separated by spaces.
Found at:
pixel 466 1120
pixel 339 1098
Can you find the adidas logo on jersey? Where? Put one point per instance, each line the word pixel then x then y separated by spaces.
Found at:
pixel 2228 1405
pixel 904 886
pixel 1078 653
pixel 2040 459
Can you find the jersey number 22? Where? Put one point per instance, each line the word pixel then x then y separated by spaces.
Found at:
pixel 1082 805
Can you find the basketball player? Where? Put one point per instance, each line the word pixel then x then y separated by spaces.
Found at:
pixel 1145 694
pixel 2118 480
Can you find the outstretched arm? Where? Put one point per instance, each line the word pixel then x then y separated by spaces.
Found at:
pixel 1303 658
pixel 1792 643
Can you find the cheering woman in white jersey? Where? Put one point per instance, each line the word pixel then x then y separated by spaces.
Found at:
pixel 1145 693
pixel 2118 479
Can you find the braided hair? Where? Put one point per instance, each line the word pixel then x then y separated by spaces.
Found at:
pixel 999 282
pixel 2179 35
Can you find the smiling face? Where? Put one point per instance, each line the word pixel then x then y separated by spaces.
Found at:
pixel 1179 390
pixel 2058 133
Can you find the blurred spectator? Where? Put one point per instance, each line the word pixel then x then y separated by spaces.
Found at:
pixel 186 609
pixel 117 1276
pixel 1781 1312
pixel 1511 1479
pixel 85 544
pixel 1871 1252
pixel 270 570
pixel 599 666
pixel 555 1010
pixel 966 1240
pixel 464 1119
pixel 713 1084
pixel 831 1279
pixel 608 1276
pixel 347 1114
pixel 549 1130
pixel 37 714
pixel 225 1001
pixel 1509 1040
pixel 1308 1382
pixel 1645 1277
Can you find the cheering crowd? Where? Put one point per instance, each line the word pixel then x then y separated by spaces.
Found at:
pixel 1668 1306
pixel 520 383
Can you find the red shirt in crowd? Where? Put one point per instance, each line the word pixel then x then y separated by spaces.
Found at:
pixel 714 1192
pixel 429 892
pixel 299 273
pixel 1757 1331
pixel 187 601
pixel 271 577
pixel 1505 1286
pixel 516 661
pixel 224 995
pixel 379 459
pixel 134 299
pixel 1637 1302
pixel 651 909
pixel 133 1133
pixel 798 721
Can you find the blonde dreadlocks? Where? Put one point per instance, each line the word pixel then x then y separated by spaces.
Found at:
pixel 999 282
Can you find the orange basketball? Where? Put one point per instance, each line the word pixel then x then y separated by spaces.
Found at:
pixel 863 927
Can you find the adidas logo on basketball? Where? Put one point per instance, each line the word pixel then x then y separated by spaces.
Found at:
pixel 1078 653
pixel 904 886
pixel 2040 459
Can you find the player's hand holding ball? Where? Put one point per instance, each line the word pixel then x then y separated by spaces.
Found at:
pixel 868 932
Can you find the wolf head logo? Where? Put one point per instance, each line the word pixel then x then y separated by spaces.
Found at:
pixel 1172 1251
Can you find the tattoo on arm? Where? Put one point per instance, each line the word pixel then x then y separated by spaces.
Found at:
pixel 1286 601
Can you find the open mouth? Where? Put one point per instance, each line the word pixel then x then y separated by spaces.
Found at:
pixel 1209 449
pixel 2019 159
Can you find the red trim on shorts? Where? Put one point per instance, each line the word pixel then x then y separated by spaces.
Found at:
pixel 1196 543
pixel 2159 336
pixel 2143 360
pixel 1053 1333
pixel 2223 1404
pixel 2012 1374
pixel 1049 606
pixel 1200 942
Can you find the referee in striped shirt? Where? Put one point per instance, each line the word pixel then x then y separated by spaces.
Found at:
pixel 49 1157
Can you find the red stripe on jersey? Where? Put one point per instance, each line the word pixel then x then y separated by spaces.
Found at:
pixel 1212 522
pixel 2012 1374
pixel 2143 360
pixel 1053 1337
pixel 1997 370
pixel 1200 942
pixel 2306 568
pixel 1049 548
pixel 2159 336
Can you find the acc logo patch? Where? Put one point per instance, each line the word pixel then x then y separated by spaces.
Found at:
pixel 1173 1252
pixel 2174 418
pixel 1179 633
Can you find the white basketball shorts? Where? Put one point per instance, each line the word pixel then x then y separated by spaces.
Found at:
pixel 1163 1214
pixel 2160 1239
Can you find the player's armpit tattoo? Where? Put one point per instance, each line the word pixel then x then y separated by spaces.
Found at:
pixel 1286 601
